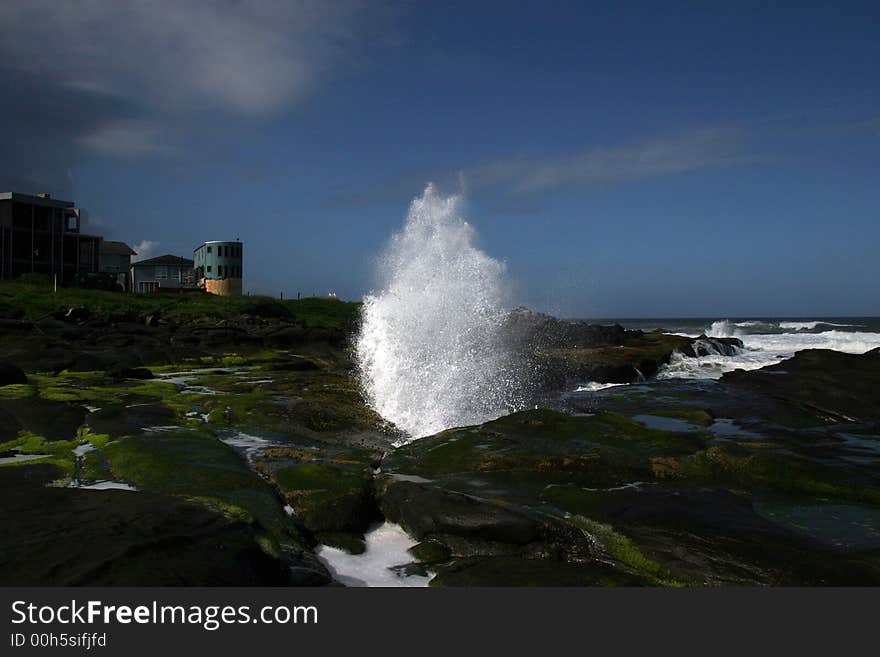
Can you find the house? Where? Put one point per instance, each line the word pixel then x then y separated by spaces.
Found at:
pixel 166 272
pixel 115 260
pixel 39 234
pixel 218 267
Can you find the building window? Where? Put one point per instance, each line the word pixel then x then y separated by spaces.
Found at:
pixel 161 272
pixel 148 286
pixel 209 269
pixel 209 249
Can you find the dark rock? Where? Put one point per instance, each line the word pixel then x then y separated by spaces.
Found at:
pixel 121 420
pixel 410 569
pixel 516 571
pixel 424 511
pixel 431 552
pixel 151 318
pixel 140 373
pixel 93 361
pixel 660 505
pixel 74 314
pixel 14 325
pixel 118 538
pixel 837 386
pixel 326 498
pixel 351 543
pixel 297 365
pixel 706 346
pixel 557 354
pixel 9 425
pixel 50 419
pixel 10 374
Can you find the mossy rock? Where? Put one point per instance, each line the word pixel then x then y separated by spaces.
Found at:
pixel 516 571
pixel 430 552
pixel 350 542
pixel 328 498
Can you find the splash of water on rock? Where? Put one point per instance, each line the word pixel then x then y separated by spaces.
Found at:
pixel 430 349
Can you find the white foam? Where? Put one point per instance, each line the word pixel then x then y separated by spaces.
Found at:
pixel 82 450
pixel 593 386
pixel 107 485
pixel 809 326
pixel 250 445
pixel 429 349
pixel 763 349
pixel 387 546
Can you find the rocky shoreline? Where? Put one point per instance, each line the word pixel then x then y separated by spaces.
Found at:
pixel 248 444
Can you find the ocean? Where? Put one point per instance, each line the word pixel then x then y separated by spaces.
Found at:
pixel 766 340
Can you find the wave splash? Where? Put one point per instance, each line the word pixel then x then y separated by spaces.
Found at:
pixel 429 351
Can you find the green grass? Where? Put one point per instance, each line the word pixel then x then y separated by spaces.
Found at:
pixel 33 299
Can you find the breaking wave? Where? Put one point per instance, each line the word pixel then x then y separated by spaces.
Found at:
pixel 429 351
pixel 767 342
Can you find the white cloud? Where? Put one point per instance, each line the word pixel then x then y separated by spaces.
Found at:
pixel 247 57
pixel 125 78
pixel 144 249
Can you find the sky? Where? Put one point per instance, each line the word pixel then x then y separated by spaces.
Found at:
pixel 623 159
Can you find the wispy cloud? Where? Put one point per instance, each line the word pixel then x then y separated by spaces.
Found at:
pixel 529 175
pixel 125 138
pixel 690 151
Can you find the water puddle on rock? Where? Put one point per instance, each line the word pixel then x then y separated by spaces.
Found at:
pixel 249 445
pixel 662 423
pixel 724 429
pixel 841 526
pixel 380 565
pixel 183 378
pixel 105 485
pixel 19 458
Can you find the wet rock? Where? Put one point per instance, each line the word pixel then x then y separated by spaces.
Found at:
pixel 122 373
pixel 662 506
pixel 350 542
pixel 119 538
pixel 517 571
pixel 327 498
pixel 424 511
pixel 706 346
pixel 833 385
pixel 120 420
pixel 431 552
pixel 74 314
pixel 558 354
pixel 297 365
pixel 51 419
pixel 11 375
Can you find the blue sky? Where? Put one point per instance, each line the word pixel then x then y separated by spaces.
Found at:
pixel 624 159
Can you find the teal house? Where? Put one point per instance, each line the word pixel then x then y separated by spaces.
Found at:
pixel 218 267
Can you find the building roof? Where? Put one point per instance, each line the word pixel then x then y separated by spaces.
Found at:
pixel 235 241
pixel 116 248
pixel 164 260
pixel 36 200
